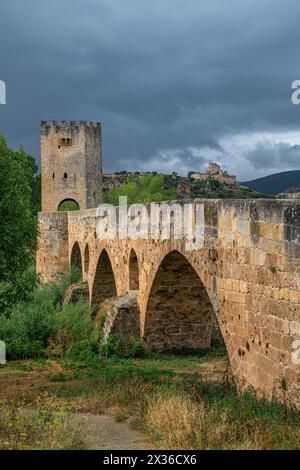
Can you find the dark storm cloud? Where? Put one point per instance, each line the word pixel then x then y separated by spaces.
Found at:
pixel 168 79
pixel 267 155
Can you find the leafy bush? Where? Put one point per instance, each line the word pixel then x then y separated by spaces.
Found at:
pixel 124 347
pixel 30 325
pixel 27 330
pixel 21 289
pixel 72 324
pixel 61 284
pixel 18 348
pixel 85 350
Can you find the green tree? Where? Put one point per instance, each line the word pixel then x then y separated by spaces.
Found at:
pixel 36 193
pixel 68 205
pixel 141 189
pixel 18 222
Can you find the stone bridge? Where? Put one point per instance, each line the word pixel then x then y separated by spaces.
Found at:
pixel 246 276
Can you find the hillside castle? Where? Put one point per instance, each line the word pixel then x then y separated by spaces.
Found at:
pixel 214 172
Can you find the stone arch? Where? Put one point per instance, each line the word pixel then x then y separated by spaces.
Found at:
pixel 179 313
pixel 104 285
pixel 86 258
pixel 76 259
pixel 68 205
pixel 133 266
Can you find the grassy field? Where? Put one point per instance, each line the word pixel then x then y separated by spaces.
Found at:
pixel 179 402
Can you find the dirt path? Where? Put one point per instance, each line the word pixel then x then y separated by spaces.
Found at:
pixel 103 432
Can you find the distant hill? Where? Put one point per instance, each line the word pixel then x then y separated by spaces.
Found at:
pixel 275 184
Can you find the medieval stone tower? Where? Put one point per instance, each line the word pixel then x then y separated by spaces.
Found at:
pixel 71 164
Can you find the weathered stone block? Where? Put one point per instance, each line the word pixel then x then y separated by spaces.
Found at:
pixel 120 316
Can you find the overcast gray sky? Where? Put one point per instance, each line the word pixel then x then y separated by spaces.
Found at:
pixel 174 82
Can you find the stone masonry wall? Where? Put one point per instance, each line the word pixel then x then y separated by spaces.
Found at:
pixel 53 245
pixel 120 317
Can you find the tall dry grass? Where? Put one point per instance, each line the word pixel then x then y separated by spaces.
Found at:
pixel 180 422
pixel 175 421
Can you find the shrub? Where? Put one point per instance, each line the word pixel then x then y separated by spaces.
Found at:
pixel 60 285
pixel 30 325
pixel 85 350
pixel 20 290
pixel 126 347
pixel 17 349
pixel 27 330
pixel 72 324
